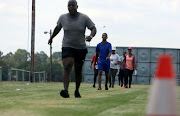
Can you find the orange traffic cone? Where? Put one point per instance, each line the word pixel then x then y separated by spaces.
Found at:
pixel 163 100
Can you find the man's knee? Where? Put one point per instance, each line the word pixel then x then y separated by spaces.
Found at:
pixel 68 67
pixel 100 72
pixel 78 68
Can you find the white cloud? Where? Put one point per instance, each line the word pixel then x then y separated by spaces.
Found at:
pixel 2 7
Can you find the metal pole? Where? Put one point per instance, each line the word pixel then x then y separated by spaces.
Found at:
pixel 29 76
pixel 39 77
pixel 44 76
pixel 22 75
pixel 50 58
pixel 34 79
pixel 9 74
pixel 16 75
pixel 32 40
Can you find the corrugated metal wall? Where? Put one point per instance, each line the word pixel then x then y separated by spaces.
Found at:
pixel 146 59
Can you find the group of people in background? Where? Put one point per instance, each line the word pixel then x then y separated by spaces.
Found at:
pixel 110 62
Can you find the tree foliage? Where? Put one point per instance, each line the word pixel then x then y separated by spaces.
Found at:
pixel 21 60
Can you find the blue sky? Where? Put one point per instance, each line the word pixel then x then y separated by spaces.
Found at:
pixel 137 23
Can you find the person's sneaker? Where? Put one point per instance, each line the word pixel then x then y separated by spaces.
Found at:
pixel 121 84
pixel 99 88
pixel 109 86
pixel 64 94
pixel 125 86
pixel 106 87
pixel 94 86
pixel 112 86
pixel 77 94
pixel 129 86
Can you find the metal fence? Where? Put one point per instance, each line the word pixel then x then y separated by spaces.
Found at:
pixel 146 59
pixel 23 75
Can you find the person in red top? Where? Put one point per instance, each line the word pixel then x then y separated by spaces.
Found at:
pixel 95 68
pixel 130 66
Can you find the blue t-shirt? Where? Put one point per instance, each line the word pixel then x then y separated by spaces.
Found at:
pixel 103 50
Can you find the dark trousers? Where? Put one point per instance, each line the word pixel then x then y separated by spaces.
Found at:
pixel 121 76
pixel 128 73
pixel 95 75
pixel 112 74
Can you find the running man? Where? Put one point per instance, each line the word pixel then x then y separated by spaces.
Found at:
pixel 103 51
pixel 73 45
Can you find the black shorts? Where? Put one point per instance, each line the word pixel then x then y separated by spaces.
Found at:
pixel 78 54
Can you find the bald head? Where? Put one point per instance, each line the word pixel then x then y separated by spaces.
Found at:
pixel 74 1
pixel 72 7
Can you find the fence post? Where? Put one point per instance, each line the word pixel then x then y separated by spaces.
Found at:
pixel 0 73
pixel 16 75
pixel 34 79
pixel 9 74
pixel 22 75
pixel 29 75
pixel 44 76
pixel 39 77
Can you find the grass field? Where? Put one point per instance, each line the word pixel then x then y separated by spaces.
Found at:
pixel 42 99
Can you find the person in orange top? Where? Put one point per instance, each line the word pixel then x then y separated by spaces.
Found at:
pixel 95 68
pixel 130 66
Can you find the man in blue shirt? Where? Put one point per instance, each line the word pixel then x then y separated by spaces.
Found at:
pixel 103 51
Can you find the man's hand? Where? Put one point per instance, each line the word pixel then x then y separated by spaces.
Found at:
pixel 88 38
pixel 50 41
pixel 107 58
pixel 120 67
pixel 116 63
pixel 91 66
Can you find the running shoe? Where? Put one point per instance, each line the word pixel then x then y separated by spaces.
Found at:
pixel 125 86
pixel 106 87
pixel 99 88
pixel 64 94
pixel 121 84
pixel 77 94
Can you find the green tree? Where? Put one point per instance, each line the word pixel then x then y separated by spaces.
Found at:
pixel 5 63
pixel 20 59
pixel 57 56
pixel 1 53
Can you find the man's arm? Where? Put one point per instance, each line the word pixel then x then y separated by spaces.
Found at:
pixel 107 58
pixel 134 62
pixel 55 32
pixel 93 33
pixel 118 60
pixel 97 55
pixel 92 61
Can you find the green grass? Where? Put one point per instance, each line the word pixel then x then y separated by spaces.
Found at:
pixel 42 99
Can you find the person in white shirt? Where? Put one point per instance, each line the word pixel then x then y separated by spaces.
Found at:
pixel 115 61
